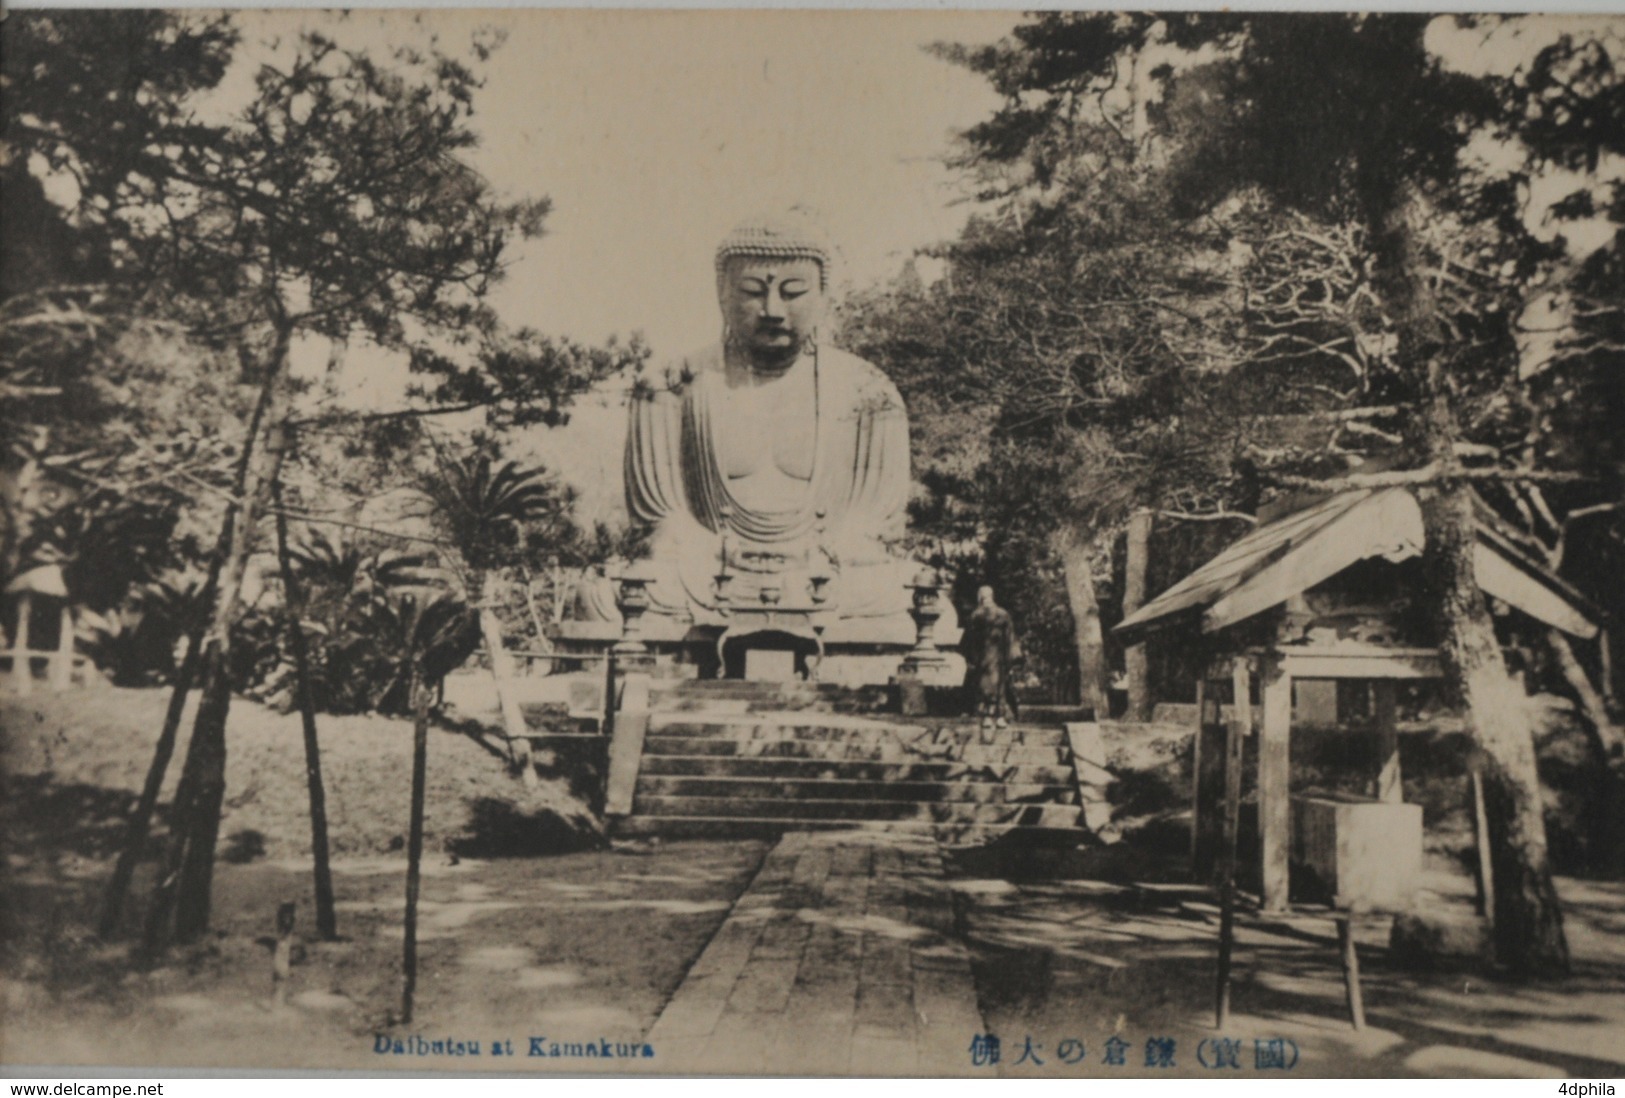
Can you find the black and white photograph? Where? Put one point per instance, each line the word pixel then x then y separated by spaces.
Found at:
pixel 813 543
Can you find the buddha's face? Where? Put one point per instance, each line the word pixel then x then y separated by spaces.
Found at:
pixel 772 305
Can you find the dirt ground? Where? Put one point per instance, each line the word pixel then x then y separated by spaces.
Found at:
pixel 1113 945
pixel 574 942
pixel 76 761
pixel 583 945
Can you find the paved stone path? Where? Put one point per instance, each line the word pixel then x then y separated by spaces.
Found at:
pixel 839 958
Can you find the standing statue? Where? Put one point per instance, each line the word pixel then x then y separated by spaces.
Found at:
pixel 773 468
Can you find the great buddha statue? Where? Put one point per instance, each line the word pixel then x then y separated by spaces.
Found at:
pixel 772 467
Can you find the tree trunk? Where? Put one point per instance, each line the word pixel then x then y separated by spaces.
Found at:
pixel 414 842
pixel 1138 549
pixel 1606 814
pixel 326 915
pixel 186 883
pixel 140 822
pixel 1528 921
pixel 1074 554
pixel 1610 737
pixel 513 719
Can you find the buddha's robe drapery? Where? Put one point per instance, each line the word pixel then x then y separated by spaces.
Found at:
pixel 680 437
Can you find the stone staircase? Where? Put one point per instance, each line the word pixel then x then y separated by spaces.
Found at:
pixel 732 758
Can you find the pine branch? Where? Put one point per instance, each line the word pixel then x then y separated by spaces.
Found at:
pixel 1431 474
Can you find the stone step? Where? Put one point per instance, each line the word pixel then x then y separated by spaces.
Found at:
pixel 553 717
pixel 754 687
pixel 840 751
pixel 538 739
pixel 789 726
pixel 744 702
pixel 707 706
pixel 767 827
pixel 856 789
pixel 792 769
pixel 944 812
pixel 1055 714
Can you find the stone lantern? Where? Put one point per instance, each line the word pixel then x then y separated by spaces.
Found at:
pixel 632 597
pixel 925 659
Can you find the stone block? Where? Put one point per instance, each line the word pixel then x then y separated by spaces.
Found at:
pixel 1089 760
pixel 885 1007
pixel 911 697
pixel 586 694
pixel 1360 854
pixel 770 665
pixel 882 1056
pixel 625 757
pixel 817 1048
pixel 764 987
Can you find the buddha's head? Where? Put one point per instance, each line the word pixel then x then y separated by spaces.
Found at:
pixel 772 274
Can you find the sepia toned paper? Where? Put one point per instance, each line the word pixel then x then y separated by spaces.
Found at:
pixel 927 853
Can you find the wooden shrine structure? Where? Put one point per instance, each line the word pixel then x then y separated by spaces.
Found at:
pixel 31 598
pixel 1326 589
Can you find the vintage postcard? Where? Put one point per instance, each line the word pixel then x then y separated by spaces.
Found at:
pixel 813 543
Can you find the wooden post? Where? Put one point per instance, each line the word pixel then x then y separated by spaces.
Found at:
pixel 1241 710
pixel 1481 839
pixel 1605 657
pixel 22 661
pixel 414 840
pixel 1275 785
pixel 1227 935
pixel 1208 799
pixel 1196 767
pixel 606 726
pixel 62 663
pixel 293 608
pixel 1139 542
pixel 282 954
pixel 1389 785
pixel 1351 972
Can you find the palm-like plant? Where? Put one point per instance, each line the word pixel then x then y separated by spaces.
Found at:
pixel 340 576
pixel 140 639
pixel 342 584
pixel 481 506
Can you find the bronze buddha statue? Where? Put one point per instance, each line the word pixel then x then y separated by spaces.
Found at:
pixel 773 468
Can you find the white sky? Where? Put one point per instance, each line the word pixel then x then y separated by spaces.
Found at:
pixel 654 132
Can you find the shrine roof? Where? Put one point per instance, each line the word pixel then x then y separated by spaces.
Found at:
pixel 44 579
pixel 1293 552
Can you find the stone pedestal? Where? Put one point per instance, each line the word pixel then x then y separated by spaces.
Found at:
pixel 925 662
